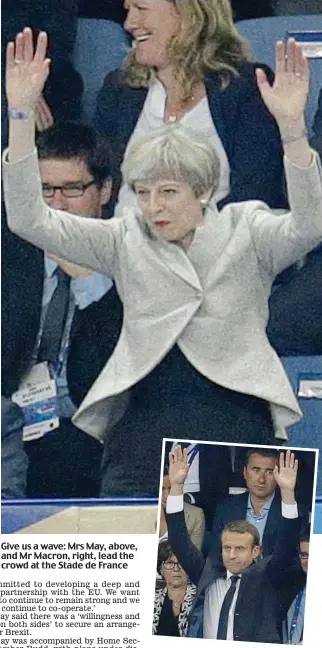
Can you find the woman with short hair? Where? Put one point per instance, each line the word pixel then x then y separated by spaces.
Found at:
pixel 173 602
pixel 193 360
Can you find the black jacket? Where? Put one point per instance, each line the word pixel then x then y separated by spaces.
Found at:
pixel 247 130
pixel 94 332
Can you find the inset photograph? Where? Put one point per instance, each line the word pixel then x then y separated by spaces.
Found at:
pixel 234 535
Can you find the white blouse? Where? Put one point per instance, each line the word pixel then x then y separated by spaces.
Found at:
pixel 199 119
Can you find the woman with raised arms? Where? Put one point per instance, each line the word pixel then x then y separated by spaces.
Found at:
pixel 193 360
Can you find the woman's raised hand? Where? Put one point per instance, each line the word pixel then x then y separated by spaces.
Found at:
pixel 286 98
pixel 26 70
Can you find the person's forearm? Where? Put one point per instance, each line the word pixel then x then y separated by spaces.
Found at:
pixel 176 489
pixel 295 143
pixel 21 136
pixel 288 496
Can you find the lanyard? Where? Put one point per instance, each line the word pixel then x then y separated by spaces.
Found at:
pixel 295 615
pixel 64 346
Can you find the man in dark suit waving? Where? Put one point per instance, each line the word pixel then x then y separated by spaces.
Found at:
pixel 261 505
pixel 238 598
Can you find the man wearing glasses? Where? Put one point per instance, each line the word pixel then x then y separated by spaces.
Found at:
pixel 58 309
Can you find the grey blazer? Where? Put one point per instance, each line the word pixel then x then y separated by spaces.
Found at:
pixel 211 300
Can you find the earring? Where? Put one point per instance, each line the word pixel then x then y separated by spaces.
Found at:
pixel 204 203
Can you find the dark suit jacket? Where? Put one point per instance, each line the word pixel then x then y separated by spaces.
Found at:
pixel 94 331
pixel 234 507
pixel 295 322
pixel 267 587
pixel 317 127
pixel 245 9
pixel 63 464
pixel 107 9
pixel 248 132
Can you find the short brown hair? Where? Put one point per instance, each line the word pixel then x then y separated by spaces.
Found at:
pixel 243 526
pixel 271 453
pixel 164 553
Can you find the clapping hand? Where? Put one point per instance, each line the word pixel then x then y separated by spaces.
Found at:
pixel 286 473
pixel 178 469
pixel 26 70
pixel 286 98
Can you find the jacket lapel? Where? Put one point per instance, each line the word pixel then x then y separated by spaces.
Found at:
pixel 214 96
pixel 130 107
pixel 176 259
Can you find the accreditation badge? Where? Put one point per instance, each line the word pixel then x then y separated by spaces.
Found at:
pixel 37 398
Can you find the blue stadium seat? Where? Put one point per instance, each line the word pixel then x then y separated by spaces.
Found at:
pixel 318 516
pixel 100 47
pixel 262 33
pixel 308 432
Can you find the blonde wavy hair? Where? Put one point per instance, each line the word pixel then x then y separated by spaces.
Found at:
pixel 207 42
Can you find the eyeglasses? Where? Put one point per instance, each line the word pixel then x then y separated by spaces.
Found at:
pixel 72 190
pixel 304 555
pixel 171 564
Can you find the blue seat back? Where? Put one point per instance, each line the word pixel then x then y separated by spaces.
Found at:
pixel 100 47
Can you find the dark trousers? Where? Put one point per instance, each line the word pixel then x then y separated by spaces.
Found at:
pixel 175 401
pixel 64 463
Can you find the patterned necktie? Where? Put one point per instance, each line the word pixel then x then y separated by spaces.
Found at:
pixel 55 320
pixel 224 612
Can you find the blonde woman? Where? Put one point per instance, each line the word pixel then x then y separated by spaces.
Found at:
pixel 189 64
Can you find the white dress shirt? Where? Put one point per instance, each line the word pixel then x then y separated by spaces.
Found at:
pixel 214 598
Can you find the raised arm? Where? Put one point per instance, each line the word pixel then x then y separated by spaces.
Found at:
pixel 190 558
pixel 85 241
pixel 285 551
pixel 282 240
pixel 286 99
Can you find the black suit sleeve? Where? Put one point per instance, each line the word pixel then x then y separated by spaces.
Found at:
pixel 189 557
pixel 295 310
pixel 284 558
pixel 316 141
